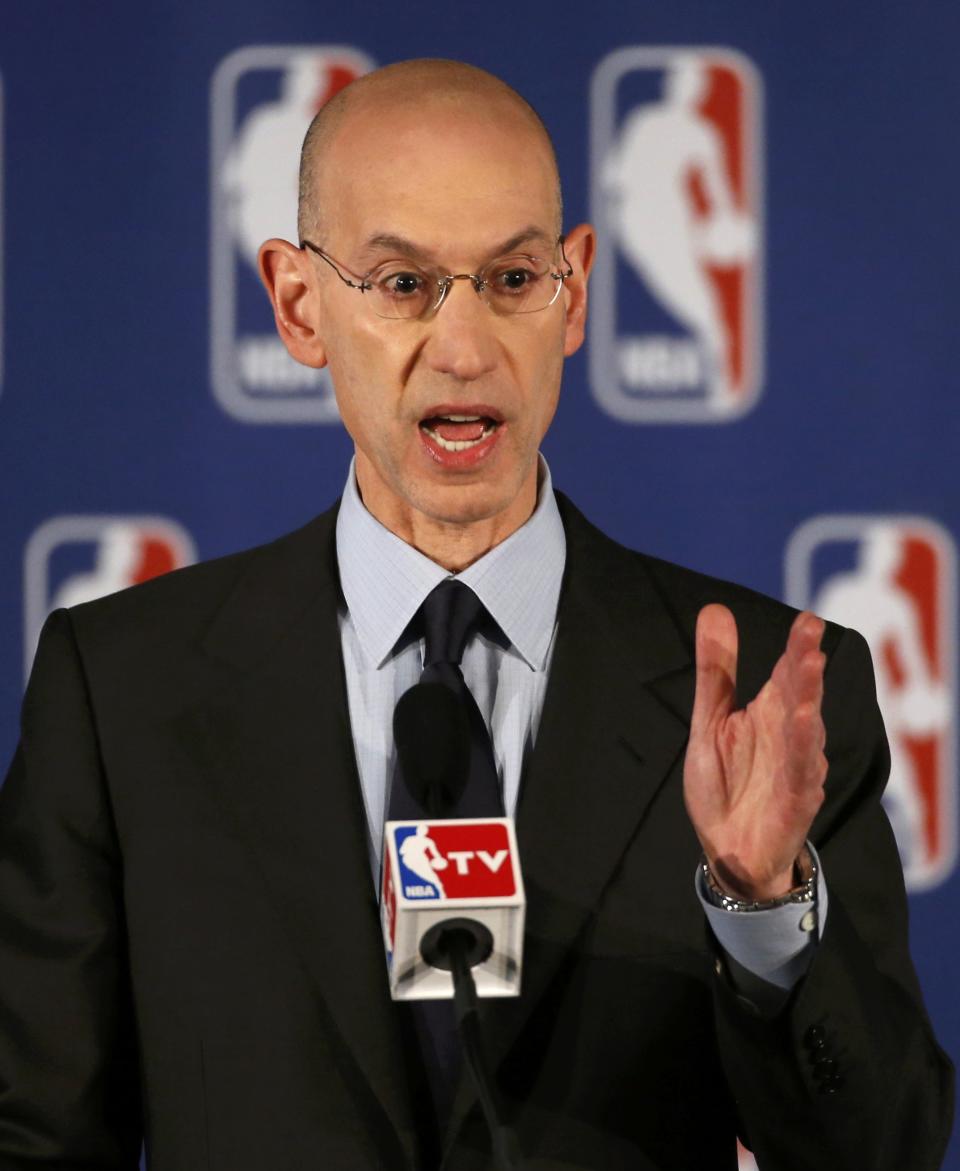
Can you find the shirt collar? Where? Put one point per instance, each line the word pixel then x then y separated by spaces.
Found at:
pixel 385 580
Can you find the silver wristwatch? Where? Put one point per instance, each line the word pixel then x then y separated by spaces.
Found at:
pixel 805 875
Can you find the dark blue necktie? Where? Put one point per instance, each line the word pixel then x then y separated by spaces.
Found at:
pixel 450 615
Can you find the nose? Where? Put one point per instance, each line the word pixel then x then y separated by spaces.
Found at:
pixel 462 340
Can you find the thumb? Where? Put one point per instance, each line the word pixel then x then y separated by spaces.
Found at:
pixel 716 651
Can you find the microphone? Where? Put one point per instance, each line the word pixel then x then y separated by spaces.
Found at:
pixel 432 734
pixel 447 879
pixel 452 902
pixel 444 876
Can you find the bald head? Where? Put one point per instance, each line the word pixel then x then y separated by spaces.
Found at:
pixel 447 93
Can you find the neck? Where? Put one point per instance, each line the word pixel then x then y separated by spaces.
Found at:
pixel 454 542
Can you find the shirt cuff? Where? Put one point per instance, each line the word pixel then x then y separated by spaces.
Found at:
pixel 776 946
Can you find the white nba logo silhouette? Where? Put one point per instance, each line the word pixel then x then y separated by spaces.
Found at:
pixel 420 856
pixel 908 627
pixel 254 179
pixel 118 551
pixel 685 217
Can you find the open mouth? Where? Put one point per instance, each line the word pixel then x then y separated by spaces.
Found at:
pixel 459 432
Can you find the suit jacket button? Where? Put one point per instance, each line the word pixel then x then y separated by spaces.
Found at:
pixel 815 1037
pixel 830 1085
pixel 824 1067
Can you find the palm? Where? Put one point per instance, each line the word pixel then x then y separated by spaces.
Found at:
pixel 753 779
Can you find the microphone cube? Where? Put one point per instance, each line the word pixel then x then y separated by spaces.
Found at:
pixel 434 871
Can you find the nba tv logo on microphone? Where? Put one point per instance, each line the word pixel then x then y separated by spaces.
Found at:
pixel 454 860
pixel 676 322
pixel 74 559
pixel 438 871
pixel 893 579
pixel 262 100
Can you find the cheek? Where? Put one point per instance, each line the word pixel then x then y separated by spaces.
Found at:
pixel 353 371
pixel 546 375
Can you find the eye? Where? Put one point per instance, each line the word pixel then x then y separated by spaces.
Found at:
pixel 517 275
pixel 515 278
pixel 402 284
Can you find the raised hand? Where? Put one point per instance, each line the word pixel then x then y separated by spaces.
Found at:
pixel 753 779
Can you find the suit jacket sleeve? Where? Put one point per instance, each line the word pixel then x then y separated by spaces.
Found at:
pixel 69 1080
pixel 848 1074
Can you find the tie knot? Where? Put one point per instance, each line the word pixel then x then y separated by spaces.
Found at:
pixel 451 613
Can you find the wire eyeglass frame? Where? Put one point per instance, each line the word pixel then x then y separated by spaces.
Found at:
pixel 363 285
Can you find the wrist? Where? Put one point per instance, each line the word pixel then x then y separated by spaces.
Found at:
pixel 799 885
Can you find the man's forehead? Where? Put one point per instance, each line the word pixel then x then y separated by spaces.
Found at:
pixel 405 174
pixel 380 131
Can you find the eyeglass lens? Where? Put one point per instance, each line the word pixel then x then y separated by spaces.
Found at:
pixel 511 284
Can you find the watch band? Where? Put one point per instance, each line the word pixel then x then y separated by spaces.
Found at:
pixel 805 874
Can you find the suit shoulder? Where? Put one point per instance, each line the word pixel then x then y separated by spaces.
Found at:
pixel 763 621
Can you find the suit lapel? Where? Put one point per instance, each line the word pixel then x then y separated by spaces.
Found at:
pixel 279 739
pixel 615 721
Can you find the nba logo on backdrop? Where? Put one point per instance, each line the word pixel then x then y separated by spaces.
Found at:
pixel 892 578
pixel 676 330
pixel 75 559
pixel 263 98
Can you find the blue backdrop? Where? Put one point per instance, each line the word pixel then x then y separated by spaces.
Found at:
pixel 774 313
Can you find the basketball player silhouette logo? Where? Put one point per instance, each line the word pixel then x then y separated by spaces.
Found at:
pixel 913 702
pixel 260 174
pixel 74 559
pixel 263 98
pixel 676 193
pixel 892 579
pixel 664 148
pixel 420 855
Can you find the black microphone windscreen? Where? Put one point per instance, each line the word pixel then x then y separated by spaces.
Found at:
pixel 432 734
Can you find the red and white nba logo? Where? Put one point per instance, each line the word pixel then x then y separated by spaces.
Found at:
pixel 892 578
pixel 263 98
pixel 455 860
pixel 74 559
pixel 676 164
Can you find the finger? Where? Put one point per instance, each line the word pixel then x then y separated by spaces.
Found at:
pixel 807 765
pixel 805 635
pixel 799 671
pixel 716 654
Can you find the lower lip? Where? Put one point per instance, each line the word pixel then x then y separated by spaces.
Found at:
pixel 460 460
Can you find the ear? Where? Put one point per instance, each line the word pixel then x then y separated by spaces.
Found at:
pixel 291 286
pixel 580 248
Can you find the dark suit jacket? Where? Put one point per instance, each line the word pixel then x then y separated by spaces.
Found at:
pixel 189 938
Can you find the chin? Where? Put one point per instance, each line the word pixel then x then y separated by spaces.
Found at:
pixel 464 504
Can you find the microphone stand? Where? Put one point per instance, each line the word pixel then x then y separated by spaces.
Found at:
pixel 456 943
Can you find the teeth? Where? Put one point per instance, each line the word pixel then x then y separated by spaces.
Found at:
pixel 458 444
pixel 463 418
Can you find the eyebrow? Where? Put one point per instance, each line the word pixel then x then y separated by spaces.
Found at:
pixel 399 245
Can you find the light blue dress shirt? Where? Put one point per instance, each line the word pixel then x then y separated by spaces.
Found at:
pixel 385 581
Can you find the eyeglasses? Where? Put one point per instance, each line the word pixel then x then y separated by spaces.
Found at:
pixel 507 285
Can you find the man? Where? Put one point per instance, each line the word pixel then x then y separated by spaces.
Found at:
pixel 189 834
